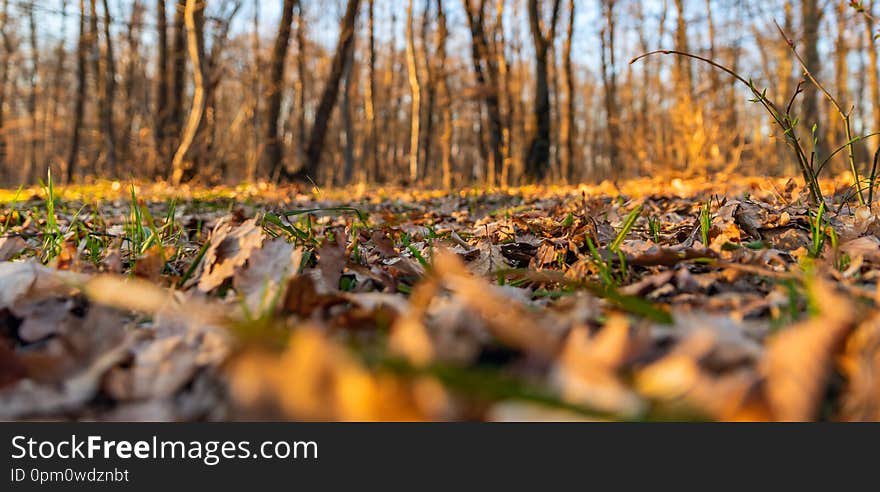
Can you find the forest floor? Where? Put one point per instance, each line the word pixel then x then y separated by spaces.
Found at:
pixel 721 299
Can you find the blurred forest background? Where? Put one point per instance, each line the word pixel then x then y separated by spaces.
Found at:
pixel 436 92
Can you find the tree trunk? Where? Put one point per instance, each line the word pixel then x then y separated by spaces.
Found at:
pixel 684 80
pixel 347 124
pixel 609 83
pixel 445 101
pixel 193 15
pixel 50 142
pixel 301 68
pixel 178 75
pixel 506 95
pixel 254 156
pixel 131 67
pixel 810 18
pixel 273 153
pixel 32 172
pixel 160 122
pixel 80 99
pixel 370 143
pixel 429 92
pixel 107 126
pixel 4 77
pixel 836 135
pixel 568 130
pixel 415 90
pixel 487 85
pixel 538 158
pixel 328 96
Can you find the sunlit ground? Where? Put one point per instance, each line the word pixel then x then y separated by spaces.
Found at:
pixel 716 298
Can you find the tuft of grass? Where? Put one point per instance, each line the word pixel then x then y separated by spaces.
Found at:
pixel 818 231
pixel 51 233
pixel 606 274
pixel 654 227
pixel 705 222
pixel 628 224
pixel 627 227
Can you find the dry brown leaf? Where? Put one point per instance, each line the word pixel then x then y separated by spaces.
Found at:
pixel 586 369
pixel 231 246
pixel 158 369
pixel 11 246
pixel 860 365
pixel 33 281
pixel 11 369
pixel 316 379
pixel 867 247
pixel 267 271
pixel 29 399
pixel 799 359
pixel 149 266
pixel 509 321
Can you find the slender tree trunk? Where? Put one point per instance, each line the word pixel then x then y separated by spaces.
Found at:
pixel 370 144
pixel 429 92
pixel 254 157
pixel 506 96
pixel 684 79
pixel 178 75
pixel 487 79
pixel 4 77
pixel 33 75
pixel 347 124
pixel 301 68
pixel 160 122
pixel 80 98
pixel 273 153
pixel 445 101
pixel 50 142
pixel 107 126
pixel 538 157
pixel 710 26
pixel 415 90
pixel 609 82
pixel 193 15
pixel 810 18
pixel 836 135
pixel 390 119
pixel 568 130
pixel 131 65
pixel 328 96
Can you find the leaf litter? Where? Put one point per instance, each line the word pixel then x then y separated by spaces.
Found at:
pixel 652 300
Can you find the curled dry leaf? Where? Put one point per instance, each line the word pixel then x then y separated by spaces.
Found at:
pixel 230 248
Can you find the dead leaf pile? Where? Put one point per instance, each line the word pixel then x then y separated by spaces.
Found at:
pixel 525 304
